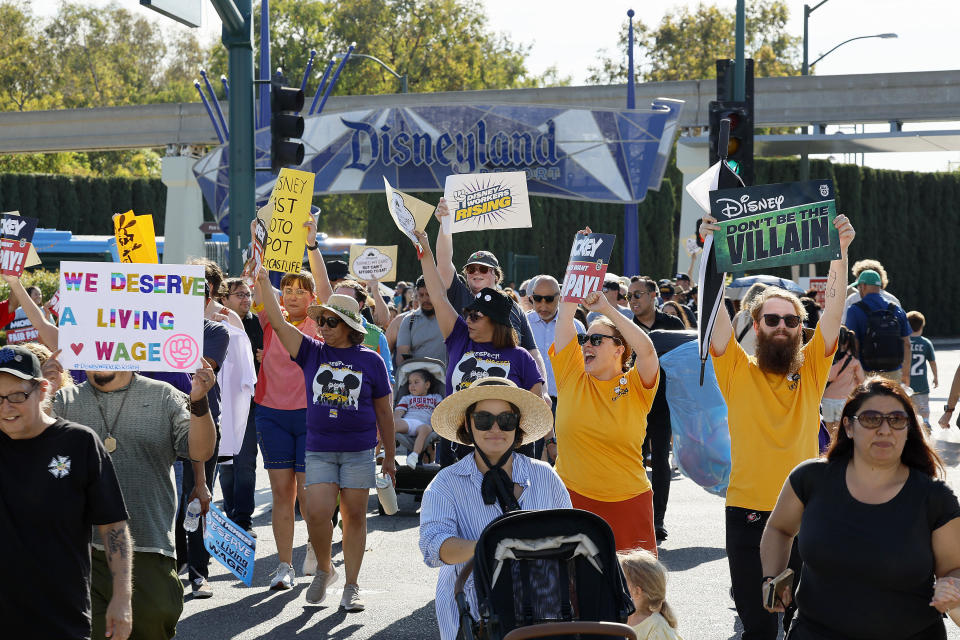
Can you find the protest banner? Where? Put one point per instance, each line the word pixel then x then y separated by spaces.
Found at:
pixel 252 267
pixel 131 317
pixel 136 239
pixel 775 225
pixel 480 201
pixel 588 262
pixel 21 330
pixel 233 547
pixel 817 284
pixel 373 263
pixel 33 259
pixel 408 213
pixel 16 242
pixel 288 208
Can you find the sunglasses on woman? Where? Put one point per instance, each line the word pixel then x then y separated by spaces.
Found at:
pixel 331 321
pixel 873 419
pixel 483 420
pixel 773 320
pixel 473 268
pixel 474 316
pixel 596 339
pixel 547 299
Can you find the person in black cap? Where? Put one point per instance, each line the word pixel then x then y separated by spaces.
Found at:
pixel 337 271
pixel 56 479
pixel 683 281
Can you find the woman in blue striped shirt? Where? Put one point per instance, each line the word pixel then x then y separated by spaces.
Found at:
pixel 496 417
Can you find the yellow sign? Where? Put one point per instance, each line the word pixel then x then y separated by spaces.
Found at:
pixel 373 263
pixel 288 209
pixel 136 239
pixel 407 212
pixel 33 259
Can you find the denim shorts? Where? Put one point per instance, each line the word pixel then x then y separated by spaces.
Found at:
pixel 282 435
pixel 346 469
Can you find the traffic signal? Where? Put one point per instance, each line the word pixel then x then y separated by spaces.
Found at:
pixel 740 144
pixel 285 123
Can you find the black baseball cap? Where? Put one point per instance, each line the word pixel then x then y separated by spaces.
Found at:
pixel 483 257
pixel 494 304
pixel 682 276
pixel 19 362
pixel 337 270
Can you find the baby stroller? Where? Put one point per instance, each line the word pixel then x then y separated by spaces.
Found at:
pixel 545 574
pixel 415 481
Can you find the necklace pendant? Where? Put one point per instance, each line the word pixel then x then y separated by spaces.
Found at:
pixel 110 444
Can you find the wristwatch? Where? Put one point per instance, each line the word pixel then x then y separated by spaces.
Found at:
pixel 551 441
pixel 312 247
pixel 947 408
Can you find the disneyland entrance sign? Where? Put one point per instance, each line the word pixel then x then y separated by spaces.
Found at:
pixel 600 155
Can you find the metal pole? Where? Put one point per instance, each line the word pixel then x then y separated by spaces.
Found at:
pixel 740 66
pixel 216 105
pixel 805 70
pixel 631 222
pixel 306 72
pixel 323 81
pixel 336 74
pixel 264 89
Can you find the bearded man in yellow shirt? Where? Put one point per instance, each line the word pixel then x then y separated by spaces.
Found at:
pixel 773 411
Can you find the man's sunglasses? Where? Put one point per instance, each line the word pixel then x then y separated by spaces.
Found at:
pixel 331 321
pixel 473 268
pixel 636 295
pixel 547 299
pixel 483 420
pixel 773 320
pixel 596 339
pixel 473 316
pixel 873 419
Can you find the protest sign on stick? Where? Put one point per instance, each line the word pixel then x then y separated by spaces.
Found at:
pixel 33 259
pixel 373 263
pixel 131 317
pixel 288 209
pixel 16 242
pixel 252 267
pixel 408 213
pixel 233 547
pixel 136 239
pixel 775 225
pixel 481 201
pixel 588 262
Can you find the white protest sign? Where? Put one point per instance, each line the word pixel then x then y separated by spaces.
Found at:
pixel 408 213
pixel 373 263
pixel 480 201
pixel 701 186
pixel 131 317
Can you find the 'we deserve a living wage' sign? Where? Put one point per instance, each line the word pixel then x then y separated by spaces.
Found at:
pixel 131 317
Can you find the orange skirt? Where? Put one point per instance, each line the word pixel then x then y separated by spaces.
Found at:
pixel 631 520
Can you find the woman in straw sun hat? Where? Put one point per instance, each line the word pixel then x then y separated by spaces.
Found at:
pixel 496 417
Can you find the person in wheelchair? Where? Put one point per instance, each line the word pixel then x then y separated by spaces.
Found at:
pixel 414 411
pixel 496 417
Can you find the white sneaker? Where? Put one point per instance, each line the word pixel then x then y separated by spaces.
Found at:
pixel 282 577
pixel 412 459
pixel 309 567
pixel 317 590
pixel 351 598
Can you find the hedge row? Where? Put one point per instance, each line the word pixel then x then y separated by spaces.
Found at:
pixel 81 205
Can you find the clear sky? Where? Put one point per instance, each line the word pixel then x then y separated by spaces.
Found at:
pixel 568 34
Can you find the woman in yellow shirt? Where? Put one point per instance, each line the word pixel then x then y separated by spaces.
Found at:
pixel 601 419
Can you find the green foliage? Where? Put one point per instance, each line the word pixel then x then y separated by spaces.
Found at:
pixel 688 41
pixel 47 279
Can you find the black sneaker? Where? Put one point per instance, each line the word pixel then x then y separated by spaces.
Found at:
pixel 661 534
pixel 201 588
pixel 251 532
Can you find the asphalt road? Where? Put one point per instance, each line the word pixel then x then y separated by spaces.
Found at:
pixel 398 587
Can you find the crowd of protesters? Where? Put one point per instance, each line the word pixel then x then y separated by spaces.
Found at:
pixel 542 404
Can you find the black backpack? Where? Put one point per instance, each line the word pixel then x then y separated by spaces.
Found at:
pixel 881 348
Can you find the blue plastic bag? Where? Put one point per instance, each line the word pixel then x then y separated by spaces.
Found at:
pixel 698 416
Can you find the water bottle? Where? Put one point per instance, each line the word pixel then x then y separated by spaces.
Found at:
pixel 192 520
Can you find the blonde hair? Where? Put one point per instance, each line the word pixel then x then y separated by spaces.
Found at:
pixel 776 292
pixel 643 570
pixel 863 265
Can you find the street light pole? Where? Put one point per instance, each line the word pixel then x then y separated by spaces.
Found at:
pixel 401 78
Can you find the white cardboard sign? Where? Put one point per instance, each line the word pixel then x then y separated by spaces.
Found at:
pixel 481 201
pixel 368 262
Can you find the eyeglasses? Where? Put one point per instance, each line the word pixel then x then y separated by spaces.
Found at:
pixel 773 320
pixel 547 299
pixel 596 339
pixel 243 295
pixel 636 295
pixel 873 419
pixel 483 420
pixel 611 286
pixel 290 291
pixel 331 321
pixel 473 316
pixel 18 397
pixel 473 268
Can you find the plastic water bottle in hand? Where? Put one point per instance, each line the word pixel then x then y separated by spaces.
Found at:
pixel 192 520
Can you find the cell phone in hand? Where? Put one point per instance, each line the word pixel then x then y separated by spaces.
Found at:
pixel 776 587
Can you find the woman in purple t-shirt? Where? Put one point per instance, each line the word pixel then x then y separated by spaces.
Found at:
pixel 348 400
pixel 484 345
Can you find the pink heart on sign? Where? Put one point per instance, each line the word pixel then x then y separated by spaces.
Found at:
pixel 77 347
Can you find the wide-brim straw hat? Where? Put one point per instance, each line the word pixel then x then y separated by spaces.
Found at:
pixel 346 307
pixel 536 419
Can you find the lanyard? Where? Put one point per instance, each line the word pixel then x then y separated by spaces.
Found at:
pixel 110 442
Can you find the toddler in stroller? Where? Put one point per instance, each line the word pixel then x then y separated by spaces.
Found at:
pixel 414 410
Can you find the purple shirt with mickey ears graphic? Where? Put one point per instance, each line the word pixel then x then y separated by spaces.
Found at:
pixel 341 387
pixel 469 361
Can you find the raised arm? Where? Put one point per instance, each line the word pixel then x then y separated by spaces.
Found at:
pixel 381 314
pixel 836 293
pixel 289 335
pixel 647 364
pixel 444 248
pixel 722 329
pixel 446 314
pixel 318 269
pixel 48 332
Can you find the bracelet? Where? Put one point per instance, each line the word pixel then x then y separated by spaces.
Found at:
pixel 200 407
pixel 551 441
pixel 312 247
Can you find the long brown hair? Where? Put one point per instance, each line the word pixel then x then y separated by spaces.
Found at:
pixel 917 453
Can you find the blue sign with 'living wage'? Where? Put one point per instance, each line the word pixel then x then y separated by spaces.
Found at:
pixel 233 547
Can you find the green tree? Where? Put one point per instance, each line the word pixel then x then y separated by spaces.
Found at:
pixel 688 41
